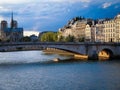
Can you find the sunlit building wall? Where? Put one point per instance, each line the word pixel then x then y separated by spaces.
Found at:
pixel 88 33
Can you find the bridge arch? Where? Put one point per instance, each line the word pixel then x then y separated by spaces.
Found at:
pixel 64 49
pixel 105 53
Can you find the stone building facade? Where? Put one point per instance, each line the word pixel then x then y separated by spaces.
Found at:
pixel 99 32
pixel 88 33
pixel 112 29
pixel 12 33
pixel 109 31
pixel 104 30
pixel 74 28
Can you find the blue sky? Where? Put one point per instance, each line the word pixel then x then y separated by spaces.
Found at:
pixel 50 15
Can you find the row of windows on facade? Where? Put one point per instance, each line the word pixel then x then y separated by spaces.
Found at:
pixel 104 29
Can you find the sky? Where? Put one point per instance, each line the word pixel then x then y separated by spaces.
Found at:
pixel 50 15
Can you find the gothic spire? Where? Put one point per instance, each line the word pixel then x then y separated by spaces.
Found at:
pixel 12 21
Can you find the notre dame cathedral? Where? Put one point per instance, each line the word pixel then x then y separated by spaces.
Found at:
pixel 12 33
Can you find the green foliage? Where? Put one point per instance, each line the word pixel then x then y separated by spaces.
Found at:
pixel 49 37
pixel 55 37
pixel 26 39
pixel 61 39
pixel 69 38
pixel 81 39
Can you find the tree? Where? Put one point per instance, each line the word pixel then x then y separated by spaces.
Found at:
pixel 26 39
pixel 69 38
pixel 82 39
pixel 49 37
pixel 61 38
pixel 55 37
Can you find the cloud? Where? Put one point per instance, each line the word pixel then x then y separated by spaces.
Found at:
pixel 3 9
pixel 28 33
pixel 38 1
pixel 70 1
pixel 106 5
pixel 1 18
pixel 14 1
pixel 48 14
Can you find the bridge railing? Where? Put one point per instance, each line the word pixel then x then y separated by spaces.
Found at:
pixel 57 43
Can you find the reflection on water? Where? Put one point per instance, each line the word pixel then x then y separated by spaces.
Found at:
pixel 34 70
pixel 28 57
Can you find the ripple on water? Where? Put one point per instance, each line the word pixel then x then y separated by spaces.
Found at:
pixel 34 70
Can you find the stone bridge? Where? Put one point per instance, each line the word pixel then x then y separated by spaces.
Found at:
pixel 92 50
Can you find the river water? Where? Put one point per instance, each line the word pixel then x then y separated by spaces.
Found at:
pixel 34 70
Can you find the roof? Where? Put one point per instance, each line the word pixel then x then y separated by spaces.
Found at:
pixel 13 29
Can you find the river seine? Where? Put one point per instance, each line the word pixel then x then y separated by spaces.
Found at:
pixel 34 70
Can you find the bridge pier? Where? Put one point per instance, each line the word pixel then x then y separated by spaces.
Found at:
pixel 93 56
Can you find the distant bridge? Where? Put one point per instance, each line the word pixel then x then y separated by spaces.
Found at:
pixel 91 49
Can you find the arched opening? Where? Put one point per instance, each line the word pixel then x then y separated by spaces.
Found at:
pixel 105 54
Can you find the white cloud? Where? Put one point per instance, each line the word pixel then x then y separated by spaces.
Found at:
pixel 28 33
pixel 1 18
pixel 106 5
pixel 4 9
pixel 38 1
pixel 36 14
pixel 41 14
pixel 14 1
pixel 70 1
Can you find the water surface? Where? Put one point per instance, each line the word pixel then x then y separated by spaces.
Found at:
pixel 34 70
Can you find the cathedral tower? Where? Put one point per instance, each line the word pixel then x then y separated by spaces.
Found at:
pixel 4 25
pixel 14 23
